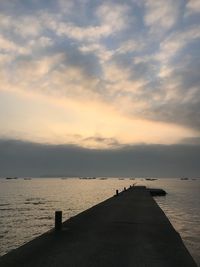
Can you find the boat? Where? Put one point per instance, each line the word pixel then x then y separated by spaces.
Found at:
pixel 11 178
pixel 87 178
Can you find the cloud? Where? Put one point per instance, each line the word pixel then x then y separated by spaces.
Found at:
pixel 139 58
pixel 61 70
pixel 8 46
pixel 99 50
pixel 113 15
pixel 24 26
pixel 19 158
pixel 90 33
pixel 41 42
pixel 191 141
pixel 131 45
pixel 55 119
pixel 161 15
pixel 162 86
pixel 109 19
pixel 66 6
pixel 192 7
pixel 178 92
pixel 175 42
pixel 102 142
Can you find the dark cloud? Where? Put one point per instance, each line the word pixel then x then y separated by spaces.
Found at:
pixel 21 7
pixel 191 141
pixel 87 63
pixel 102 140
pixel 187 65
pixel 20 158
pixel 185 114
pixel 72 57
pixel 184 109
pixel 138 70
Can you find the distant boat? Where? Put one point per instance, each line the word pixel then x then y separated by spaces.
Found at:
pixel 87 178
pixel 11 178
pixel 150 179
pixel 103 178
pixel 184 178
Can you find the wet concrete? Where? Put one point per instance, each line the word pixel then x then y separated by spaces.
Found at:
pixel 126 230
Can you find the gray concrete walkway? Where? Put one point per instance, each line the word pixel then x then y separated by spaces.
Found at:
pixel 124 231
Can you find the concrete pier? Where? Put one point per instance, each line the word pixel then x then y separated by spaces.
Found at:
pixel 127 230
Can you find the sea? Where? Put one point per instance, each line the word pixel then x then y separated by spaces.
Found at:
pixel 27 206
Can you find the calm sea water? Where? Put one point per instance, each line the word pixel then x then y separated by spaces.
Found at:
pixel 27 206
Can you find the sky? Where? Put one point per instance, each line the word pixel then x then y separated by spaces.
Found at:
pixel 100 76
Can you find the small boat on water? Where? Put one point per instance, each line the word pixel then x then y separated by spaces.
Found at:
pixel 150 179
pixel 184 178
pixel 11 178
pixel 87 178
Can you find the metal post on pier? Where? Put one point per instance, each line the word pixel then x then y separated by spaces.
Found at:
pixel 58 220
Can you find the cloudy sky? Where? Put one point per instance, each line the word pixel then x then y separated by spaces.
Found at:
pixel 100 74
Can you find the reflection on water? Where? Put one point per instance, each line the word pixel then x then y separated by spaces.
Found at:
pixel 27 206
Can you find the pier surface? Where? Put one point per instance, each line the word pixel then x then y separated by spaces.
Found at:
pixel 124 231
